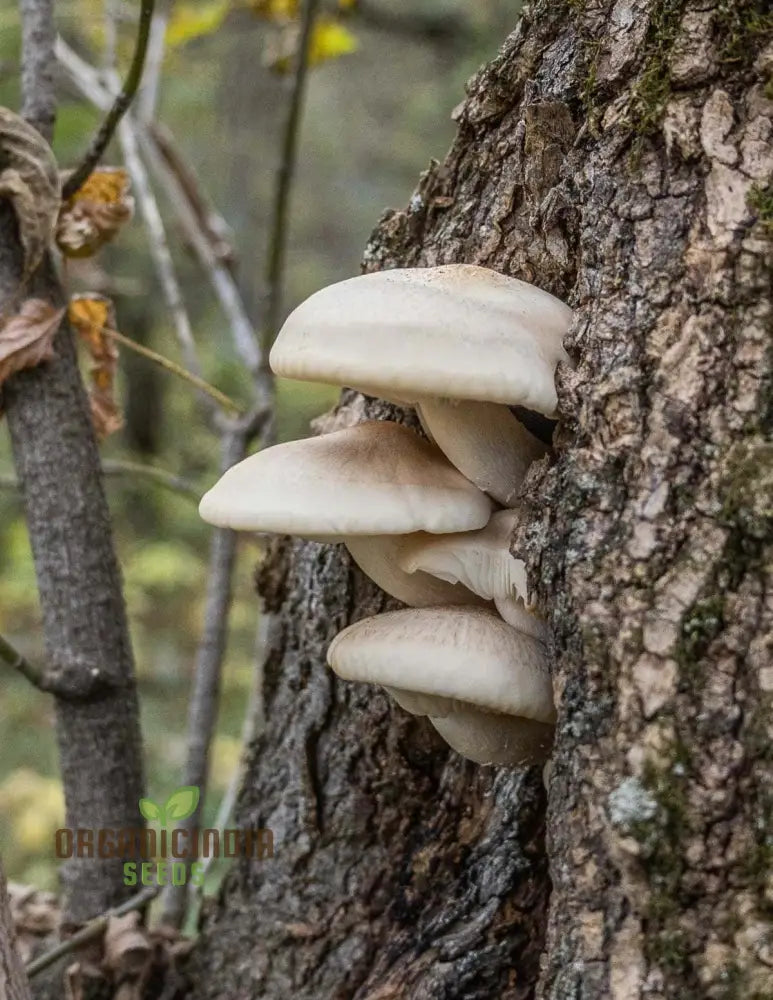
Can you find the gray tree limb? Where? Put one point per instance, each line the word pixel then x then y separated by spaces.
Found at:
pixel 87 641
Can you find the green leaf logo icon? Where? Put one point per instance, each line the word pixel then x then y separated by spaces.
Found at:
pixel 150 810
pixel 182 802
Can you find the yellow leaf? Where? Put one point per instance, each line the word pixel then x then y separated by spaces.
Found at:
pixel 330 40
pixel 95 212
pixel 347 5
pixel 92 316
pixel 194 20
pixel 274 10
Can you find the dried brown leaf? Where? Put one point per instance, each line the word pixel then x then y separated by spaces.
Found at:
pixel 27 338
pixel 73 982
pixel 91 316
pixel 29 179
pixel 127 949
pixel 95 212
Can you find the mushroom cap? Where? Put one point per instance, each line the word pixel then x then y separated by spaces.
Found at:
pixel 457 330
pixel 461 654
pixel 375 478
pixel 481 560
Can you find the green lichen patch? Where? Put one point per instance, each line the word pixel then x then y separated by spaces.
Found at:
pixel 662 838
pixel 652 88
pixel 760 199
pixel 701 624
pixel 746 489
pixel 742 27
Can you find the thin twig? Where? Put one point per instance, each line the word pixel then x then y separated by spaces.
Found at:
pixel 205 696
pixel 13 658
pixel 171 366
pixel 38 93
pixel 253 717
pixel 93 929
pixel 278 238
pixel 167 480
pixel 120 105
pixel 242 330
pixel 118 467
pixel 88 82
pixel 148 95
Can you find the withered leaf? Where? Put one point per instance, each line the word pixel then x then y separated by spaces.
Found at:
pixel 95 212
pixel 29 179
pixel 127 948
pixel 91 315
pixel 27 338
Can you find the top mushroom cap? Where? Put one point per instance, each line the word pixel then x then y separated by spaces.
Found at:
pixel 465 654
pixel 456 330
pixel 375 478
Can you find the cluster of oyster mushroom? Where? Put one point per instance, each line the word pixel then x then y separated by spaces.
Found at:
pixel 429 521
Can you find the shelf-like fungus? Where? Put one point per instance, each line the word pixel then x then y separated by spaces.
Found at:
pixel 484 685
pixel 482 561
pixel 367 486
pixel 459 342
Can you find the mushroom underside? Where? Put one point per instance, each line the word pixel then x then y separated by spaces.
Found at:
pixel 484 441
pixel 491 738
pixel 378 557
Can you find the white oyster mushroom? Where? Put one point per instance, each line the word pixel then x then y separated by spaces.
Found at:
pixel 459 342
pixel 361 486
pixel 484 685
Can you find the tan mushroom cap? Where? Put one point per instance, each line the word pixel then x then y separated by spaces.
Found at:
pixel 375 478
pixel 457 330
pixel 454 654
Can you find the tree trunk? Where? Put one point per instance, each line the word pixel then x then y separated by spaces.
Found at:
pixel 613 155
pixel 14 984
pixel 89 668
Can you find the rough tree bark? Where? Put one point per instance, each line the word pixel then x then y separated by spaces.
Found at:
pixel 89 667
pixel 14 984
pixel 616 154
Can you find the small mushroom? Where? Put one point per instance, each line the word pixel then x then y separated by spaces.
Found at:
pixel 458 341
pixel 484 685
pixel 362 486
pixel 482 561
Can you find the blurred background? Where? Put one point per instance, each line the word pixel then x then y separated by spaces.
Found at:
pixel 386 76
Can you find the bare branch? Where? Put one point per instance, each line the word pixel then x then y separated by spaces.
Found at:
pixel 88 82
pixel 118 467
pixel 205 696
pixel 13 658
pixel 120 105
pixel 148 96
pixel 93 929
pixel 278 238
pixel 38 36
pixel 171 366
pixel 242 331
